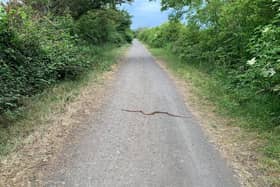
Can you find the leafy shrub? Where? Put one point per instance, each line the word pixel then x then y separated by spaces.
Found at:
pixel 95 26
pixel 238 42
pixel 23 64
pixel 264 67
pixel 105 25
pixel 37 52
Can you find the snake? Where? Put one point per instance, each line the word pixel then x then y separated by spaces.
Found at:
pixel 153 113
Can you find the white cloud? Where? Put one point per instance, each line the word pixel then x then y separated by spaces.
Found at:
pixel 148 7
pixel 146 13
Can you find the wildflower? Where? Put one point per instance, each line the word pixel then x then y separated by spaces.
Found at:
pixel 252 61
pixel 266 29
pixel 269 72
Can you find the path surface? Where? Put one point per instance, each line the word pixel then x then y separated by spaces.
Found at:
pixel 130 149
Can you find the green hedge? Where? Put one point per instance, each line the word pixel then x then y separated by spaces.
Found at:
pixel 99 26
pixel 238 42
pixel 38 52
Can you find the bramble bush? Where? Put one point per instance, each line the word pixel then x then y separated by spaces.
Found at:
pixel 22 66
pixel 38 50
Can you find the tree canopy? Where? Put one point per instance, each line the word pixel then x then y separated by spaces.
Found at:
pixel 76 7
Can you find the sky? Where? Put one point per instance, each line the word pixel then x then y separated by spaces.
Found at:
pixel 145 13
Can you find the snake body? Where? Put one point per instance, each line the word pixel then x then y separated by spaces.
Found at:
pixel 153 113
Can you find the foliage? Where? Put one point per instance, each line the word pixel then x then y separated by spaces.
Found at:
pixel 237 41
pixel 20 56
pixel 101 26
pixel 39 48
pixel 76 8
pixel 264 67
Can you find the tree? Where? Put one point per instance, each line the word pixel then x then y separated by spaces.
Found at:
pixel 76 7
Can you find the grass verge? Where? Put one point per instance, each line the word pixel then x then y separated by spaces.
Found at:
pixel 37 110
pixel 250 117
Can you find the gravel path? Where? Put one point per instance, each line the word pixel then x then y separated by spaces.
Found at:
pixel 131 149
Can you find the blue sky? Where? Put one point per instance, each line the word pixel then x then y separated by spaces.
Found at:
pixel 145 13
